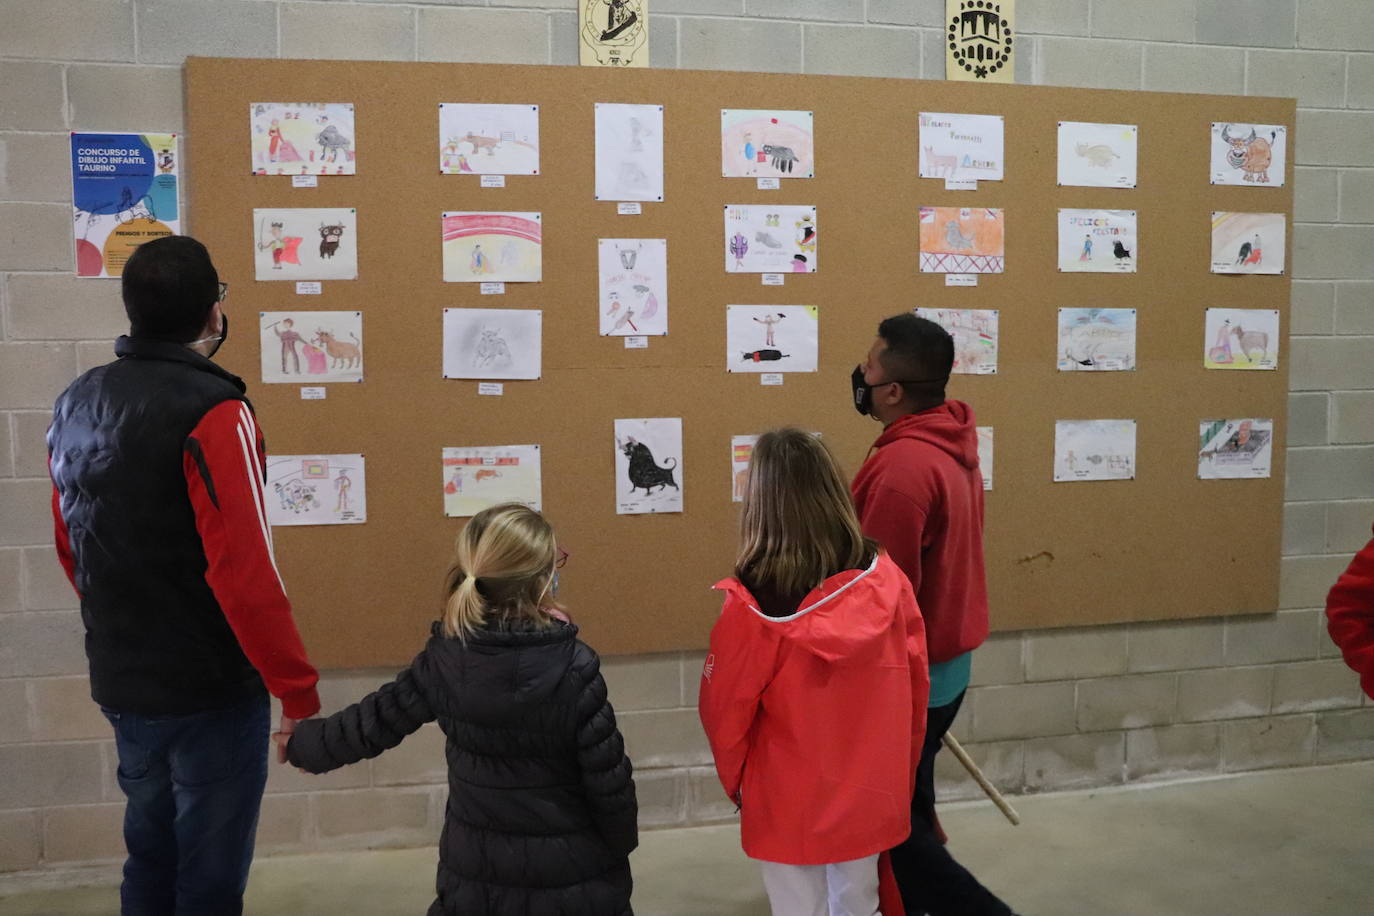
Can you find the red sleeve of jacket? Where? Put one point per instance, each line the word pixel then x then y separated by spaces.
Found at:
pixel 898 523
pixel 225 466
pixel 1350 616
pixel 739 665
pixel 60 536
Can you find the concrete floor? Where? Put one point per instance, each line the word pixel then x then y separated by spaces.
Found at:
pixel 1284 843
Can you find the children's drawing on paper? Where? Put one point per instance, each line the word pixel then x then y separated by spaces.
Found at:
pixel 493 247
pixel 961 146
pixel 648 465
pixel 493 343
pixel 975 337
pixel 741 450
pixel 985 455
pixel 316 490
pixel 303 138
pixel 124 193
pixel 765 239
pixel 634 286
pixel 1242 339
pixel 962 240
pixel 766 144
pixel 305 244
pixel 1097 155
pixel 1248 243
pixel 480 477
pixel 1094 450
pixel 1096 340
pixel 629 152
pixel 1235 448
pixel 1097 241
pixel 772 338
pixel 1254 155
pixel 482 139
pixel 613 33
pixel 311 347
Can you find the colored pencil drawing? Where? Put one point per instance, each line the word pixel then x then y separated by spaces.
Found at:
pixel 480 477
pixel 762 239
pixel 648 465
pixel 758 143
pixel 1096 340
pixel 493 247
pixel 634 286
pixel 311 347
pixel 975 337
pixel 484 139
pixel 961 146
pixel 305 244
pixel 1248 243
pixel 962 240
pixel 316 490
pixel 303 138
pixel 1097 155
pixel 629 152
pixel 1253 155
pixel 985 455
pixel 772 338
pixel 493 343
pixel 1097 241
pixel 1094 450
pixel 1235 448
pixel 1242 339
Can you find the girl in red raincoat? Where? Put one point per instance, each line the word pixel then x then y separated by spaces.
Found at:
pixel 814 692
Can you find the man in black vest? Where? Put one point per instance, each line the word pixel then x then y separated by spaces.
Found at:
pixel 157 465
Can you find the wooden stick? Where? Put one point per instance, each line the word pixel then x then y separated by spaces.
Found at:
pixel 977 774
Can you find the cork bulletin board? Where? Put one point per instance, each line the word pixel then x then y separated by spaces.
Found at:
pixel 1164 545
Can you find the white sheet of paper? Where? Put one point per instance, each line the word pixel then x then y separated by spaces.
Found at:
pixel 316 490
pixel 1098 241
pixel 741 448
pixel 961 146
pixel 1241 339
pixel 1097 155
pixel 485 139
pixel 1252 155
pixel 493 343
pixel 766 144
pixel 316 243
pixel 985 455
pixel 479 477
pixel 648 465
pixel 493 247
pixel 772 338
pixel 311 347
pixel 1096 340
pixel 1248 243
pixel 975 337
pixel 303 138
pixel 1094 450
pixel 765 239
pixel 634 287
pixel 629 152
pixel 1235 448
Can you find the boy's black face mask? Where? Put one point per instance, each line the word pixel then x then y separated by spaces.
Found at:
pixel 863 392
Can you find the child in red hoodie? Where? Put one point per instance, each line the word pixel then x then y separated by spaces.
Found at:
pixel 920 496
pixel 813 695
pixel 1350 616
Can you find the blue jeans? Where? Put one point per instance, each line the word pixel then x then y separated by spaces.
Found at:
pixel 194 785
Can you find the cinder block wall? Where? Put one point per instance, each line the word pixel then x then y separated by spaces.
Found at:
pixel 1049 710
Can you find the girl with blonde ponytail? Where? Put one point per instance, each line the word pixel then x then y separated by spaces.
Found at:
pixel 541 814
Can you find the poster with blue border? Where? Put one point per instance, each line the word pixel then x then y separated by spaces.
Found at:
pixel 125 190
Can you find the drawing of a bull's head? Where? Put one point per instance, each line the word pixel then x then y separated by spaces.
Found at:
pixel 1250 154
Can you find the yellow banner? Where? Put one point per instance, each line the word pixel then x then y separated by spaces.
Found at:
pixel 613 33
pixel 978 40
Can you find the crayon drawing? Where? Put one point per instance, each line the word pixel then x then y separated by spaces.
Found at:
pixel 305 244
pixel 311 347
pixel 1094 450
pixel 766 144
pixel 648 465
pixel 629 152
pixel 1242 339
pixel 493 343
pixel 316 490
pixel 975 337
pixel 1096 340
pixel 763 239
pixel 634 286
pixel 961 146
pixel 1235 448
pixel 985 455
pixel 772 338
pixel 303 138
pixel 962 240
pixel 1248 243
pixel 1097 241
pixel 493 247
pixel 1097 155
pixel 1251 155
pixel 482 139
pixel 480 477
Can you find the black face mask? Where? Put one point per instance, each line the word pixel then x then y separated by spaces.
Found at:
pixel 863 392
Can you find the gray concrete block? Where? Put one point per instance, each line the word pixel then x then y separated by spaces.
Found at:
pixel 418 760
pixel 1330 473
pixel 1352 416
pixel 1307 419
pixel 1304 528
pixel 124 98
pixel 1180 68
pixel 35 237
pixel 1315 686
pixel 15 726
pixel 69 30
pixel 41 775
pixel 35 167
pixel 21 840
pixel 377 819
pixel 284 824
pixel 1334 252
pixel 347 32
pixel 6 447
pixel 1357 196
pixel 697 7
pixel 59 306
pixel 664 738
pixel 1126 702
pixel 1075 761
pixel 484 36
pixel 706 801
pixel 1315 78
pixel 1022 711
pixel 1075 652
pixel 83 833
pixel 692 664
pixel 644 681
pixel 1247 23
pixel 1162 20
pixel 169 31
pixel 1288 635
pixel 1277 741
pixel 1003 763
pixel 30 442
pixel 24 505
pixel 933 54
pixel 1330 363
pixel 1224 693
pixel 833 10
pixel 11 586
pixel 1335 137
pixel 1304 582
pixel 1313 307
pixel 928 13
pixel 722 44
pixel 1173 750
pixel 31 96
pixel 1315 195
pixel 1090 63
pixel 1360 81
pixel 1062 17
pixel 1173 645
pixel 1345 735
pixel 862 51
pixel 1342 24
pixel 1348 525
pixel 35 645
pixel 662 797
pixel 34 374
pixel 998 661
pixel 63 710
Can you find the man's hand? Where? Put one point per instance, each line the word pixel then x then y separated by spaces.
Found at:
pixel 282 735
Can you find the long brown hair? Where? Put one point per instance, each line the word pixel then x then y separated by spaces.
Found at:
pixel 503 567
pixel 798 525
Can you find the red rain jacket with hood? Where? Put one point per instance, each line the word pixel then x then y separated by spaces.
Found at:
pixel 1350 616
pixel 816 719
pixel 920 495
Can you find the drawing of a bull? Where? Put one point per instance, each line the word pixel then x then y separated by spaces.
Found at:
pixel 1251 154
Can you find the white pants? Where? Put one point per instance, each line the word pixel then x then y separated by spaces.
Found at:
pixel 842 889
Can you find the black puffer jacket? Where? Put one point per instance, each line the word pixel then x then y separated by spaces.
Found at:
pixel 541 811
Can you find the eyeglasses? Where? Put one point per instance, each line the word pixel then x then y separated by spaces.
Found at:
pixel 223 291
pixel 562 559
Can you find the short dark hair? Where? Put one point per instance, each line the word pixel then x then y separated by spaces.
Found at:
pixel 917 350
pixel 169 287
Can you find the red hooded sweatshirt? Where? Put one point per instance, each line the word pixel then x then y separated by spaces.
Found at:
pixel 920 496
pixel 1350 616
pixel 816 719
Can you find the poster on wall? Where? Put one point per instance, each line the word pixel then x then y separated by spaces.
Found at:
pixel 629 152
pixel 648 465
pixel 1235 448
pixel 985 455
pixel 1094 450
pixel 305 244
pixel 124 193
pixel 493 343
pixel 613 33
pixel 480 477
pixel 1096 340
pixel 634 286
pixel 962 240
pixel 772 338
pixel 316 490
pixel 1248 243
pixel 483 139
pixel 493 247
pixel 311 347
pixel 1097 241
pixel 1097 155
pixel 975 337
pixel 303 138
pixel 762 239
pixel 1242 339
pixel 978 40
pixel 766 144
pixel 961 147
pixel 741 450
pixel 1250 155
